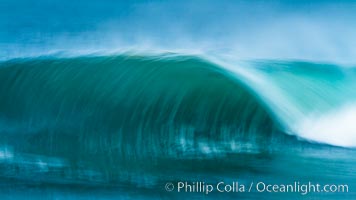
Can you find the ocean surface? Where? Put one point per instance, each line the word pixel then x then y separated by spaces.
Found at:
pixel 122 126
pixel 152 99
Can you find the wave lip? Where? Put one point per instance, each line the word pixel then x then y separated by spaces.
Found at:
pixel 310 100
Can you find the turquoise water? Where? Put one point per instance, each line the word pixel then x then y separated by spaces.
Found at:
pixel 122 126
pixel 151 99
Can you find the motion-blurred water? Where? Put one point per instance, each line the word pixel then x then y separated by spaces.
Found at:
pixel 122 126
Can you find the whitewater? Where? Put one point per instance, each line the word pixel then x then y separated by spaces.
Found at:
pixel 315 101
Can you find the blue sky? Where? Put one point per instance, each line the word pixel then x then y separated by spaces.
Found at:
pixel 311 30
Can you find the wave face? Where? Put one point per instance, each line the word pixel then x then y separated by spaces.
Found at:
pixel 104 119
pixel 128 107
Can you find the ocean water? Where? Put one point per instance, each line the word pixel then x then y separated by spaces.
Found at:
pixel 149 99
pixel 122 126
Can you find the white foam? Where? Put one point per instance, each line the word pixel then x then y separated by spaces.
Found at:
pixel 331 124
pixel 337 127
